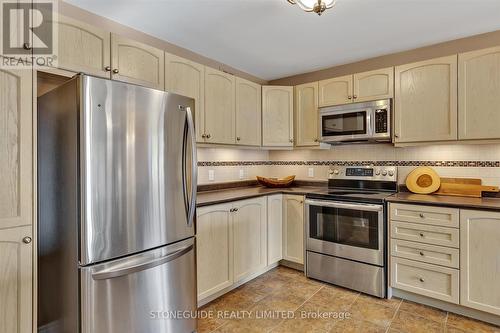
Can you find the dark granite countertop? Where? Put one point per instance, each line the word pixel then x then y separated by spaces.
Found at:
pixel 489 203
pixel 206 198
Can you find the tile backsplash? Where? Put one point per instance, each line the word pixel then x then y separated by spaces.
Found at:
pixel 477 161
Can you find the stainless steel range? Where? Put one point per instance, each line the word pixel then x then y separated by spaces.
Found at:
pixel 346 228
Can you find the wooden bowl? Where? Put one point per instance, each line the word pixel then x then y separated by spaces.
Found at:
pixel 276 182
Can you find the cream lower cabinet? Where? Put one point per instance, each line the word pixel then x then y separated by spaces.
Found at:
pixel 248 113
pixel 250 237
pixel 480 260
pixel 83 47
pixel 306 115
pixel 16 279
pixel 219 107
pixel 274 228
pixel 231 244
pixel 478 97
pixel 277 116
pixel 426 101
pixel 214 249
pixel 187 78
pixel 16 201
pixel 293 228
pixel 138 63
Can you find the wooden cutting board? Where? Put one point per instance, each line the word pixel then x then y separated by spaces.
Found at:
pixel 464 187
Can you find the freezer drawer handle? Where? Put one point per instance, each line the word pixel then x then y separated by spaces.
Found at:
pixel 113 273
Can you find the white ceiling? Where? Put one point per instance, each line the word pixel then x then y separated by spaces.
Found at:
pixel 272 39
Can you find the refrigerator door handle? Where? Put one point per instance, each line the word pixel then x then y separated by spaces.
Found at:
pixel 137 267
pixel 190 134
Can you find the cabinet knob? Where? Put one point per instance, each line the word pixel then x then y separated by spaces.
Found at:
pixel 421 234
pixel 27 240
pixel 396 135
pixel 421 253
pixel 316 140
pixel 238 138
pixel 208 136
pixel 349 97
pixel 203 135
pixel 116 71
pixel 421 279
pixel 421 215
pixel 355 96
pixel 107 68
pixel 291 140
pixel 27 46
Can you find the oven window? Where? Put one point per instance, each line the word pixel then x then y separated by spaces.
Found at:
pixel 344 226
pixel 344 124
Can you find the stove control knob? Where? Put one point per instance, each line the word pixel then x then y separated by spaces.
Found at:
pixel 384 172
pixel 377 172
pixel 391 173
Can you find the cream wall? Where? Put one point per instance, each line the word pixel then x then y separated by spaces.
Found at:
pixel 262 162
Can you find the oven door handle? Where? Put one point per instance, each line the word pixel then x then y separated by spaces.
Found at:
pixel 337 204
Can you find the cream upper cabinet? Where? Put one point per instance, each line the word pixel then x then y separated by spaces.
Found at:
pixel 16 279
pixel 293 228
pixel 219 107
pixel 137 63
pixel 426 101
pixel 274 228
pixel 335 91
pixel 478 94
pixel 83 47
pixel 374 85
pixel 479 260
pixel 250 236
pixel 277 116
pixel 248 113
pixel 16 143
pixel 187 78
pixel 214 249
pixel 306 115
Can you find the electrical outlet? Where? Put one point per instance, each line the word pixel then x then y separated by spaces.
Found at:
pixel 242 174
pixel 310 172
pixel 211 175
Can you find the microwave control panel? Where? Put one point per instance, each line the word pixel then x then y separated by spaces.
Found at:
pixel 381 120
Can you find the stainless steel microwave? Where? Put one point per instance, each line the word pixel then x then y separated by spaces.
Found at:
pixel 357 122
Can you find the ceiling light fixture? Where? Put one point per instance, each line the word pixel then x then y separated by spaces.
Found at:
pixel 317 6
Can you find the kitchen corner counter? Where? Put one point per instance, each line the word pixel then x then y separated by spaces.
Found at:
pixel 489 203
pixel 206 198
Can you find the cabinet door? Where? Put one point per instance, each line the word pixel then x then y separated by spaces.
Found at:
pixel 187 78
pixel 478 97
pixel 214 249
pixel 16 280
pixel 277 116
pixel 306 115
pixel 426 101
pixel 137 63
pixel 219 107
pixel 374 85
pixel 479 260
pixel 274 228
pixel 293 228
pixel 83 47
pixel 250 235
pixel 335 91
pixel 15 148
pixel 248 113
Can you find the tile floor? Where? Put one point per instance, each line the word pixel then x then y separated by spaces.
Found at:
pixel 254 307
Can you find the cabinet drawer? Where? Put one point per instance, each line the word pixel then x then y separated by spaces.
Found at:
pixel 447 217
pixel 431 254
pixel 428 234
pixel 425 279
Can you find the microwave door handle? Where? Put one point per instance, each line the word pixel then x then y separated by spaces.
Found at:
pixel 370 118
pixel 336 204
pixel 141 266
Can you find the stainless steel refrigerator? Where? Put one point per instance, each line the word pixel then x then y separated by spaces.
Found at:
pixel 116 206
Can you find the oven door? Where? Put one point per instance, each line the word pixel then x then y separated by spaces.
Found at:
pixel 347 125
pixel 347 230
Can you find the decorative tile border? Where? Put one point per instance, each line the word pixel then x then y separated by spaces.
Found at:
pixel 471 164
